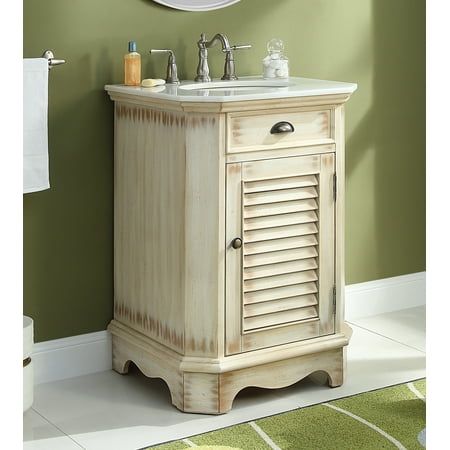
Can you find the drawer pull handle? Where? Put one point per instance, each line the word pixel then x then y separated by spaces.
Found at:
pixel 282 127
pixel 236 243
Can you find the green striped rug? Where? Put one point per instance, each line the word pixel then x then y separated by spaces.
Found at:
pixel 389 418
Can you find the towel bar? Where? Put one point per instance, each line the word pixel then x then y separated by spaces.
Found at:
pixel 48 54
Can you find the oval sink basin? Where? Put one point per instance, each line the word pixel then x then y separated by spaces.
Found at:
pixel 236 85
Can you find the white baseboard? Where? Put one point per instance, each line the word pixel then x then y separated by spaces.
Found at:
pixel 72 356
pixel 89 353
pixel 384 295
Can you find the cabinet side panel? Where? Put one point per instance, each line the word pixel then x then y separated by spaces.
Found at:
pixel 205 235
pixel 339 134
pixel 149 222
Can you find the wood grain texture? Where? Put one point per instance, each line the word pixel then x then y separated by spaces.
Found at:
pixel 281 231
pixel 306 102
pixel 149 222
pixel 201 393
pixel 295 265
pixel 203 385
pixel 339 135
pixel 275 298
pixel 152 361
pixel 280 256
pixel 273 280
pixel 287 333
pixel 327 245
pixel 233 281
pixel 204 262
pixel 280 168
pixel 279 153
pixel 189 308
pixel 251 131
pixel 290 303
pixel 281 374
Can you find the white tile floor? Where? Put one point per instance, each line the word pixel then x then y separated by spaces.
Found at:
pixel 109 411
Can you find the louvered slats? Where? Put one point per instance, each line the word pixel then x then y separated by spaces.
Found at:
pixel 280 183
pixel 280 220
pixel 268 320
pixel 285 304
pixel 280 292
pixel 280 264
pixel 282 195
pixel 280 232
pixel 279 256
pixel 268 270
pixel 287 279
pixel 271 209
pixel 280 244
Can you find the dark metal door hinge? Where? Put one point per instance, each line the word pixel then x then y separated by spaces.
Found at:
pixel 334 299
pixel 334 187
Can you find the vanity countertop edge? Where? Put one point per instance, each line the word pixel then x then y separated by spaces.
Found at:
pixel 298 87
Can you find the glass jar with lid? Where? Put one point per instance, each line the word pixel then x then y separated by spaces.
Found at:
pixel 275 64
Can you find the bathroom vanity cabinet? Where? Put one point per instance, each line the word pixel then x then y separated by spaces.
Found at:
pixel 229 234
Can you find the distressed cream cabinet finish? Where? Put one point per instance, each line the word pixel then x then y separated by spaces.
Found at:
pixel 190 178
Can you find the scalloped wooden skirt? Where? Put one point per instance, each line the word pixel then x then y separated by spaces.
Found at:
pixel 209 386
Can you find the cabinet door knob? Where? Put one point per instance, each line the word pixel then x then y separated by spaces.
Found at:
pixel 282 127
pixel 236 243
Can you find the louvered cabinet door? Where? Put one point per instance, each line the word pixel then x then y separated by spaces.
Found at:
pixel 280 257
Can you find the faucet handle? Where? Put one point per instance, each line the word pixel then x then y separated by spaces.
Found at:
pixel 172 71
pixel 240 47
pixel 237 47
pixel 229 72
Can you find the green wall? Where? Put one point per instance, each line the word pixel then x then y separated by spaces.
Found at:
pixel 380 44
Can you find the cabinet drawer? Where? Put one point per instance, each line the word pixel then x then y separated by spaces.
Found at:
pixel 251 132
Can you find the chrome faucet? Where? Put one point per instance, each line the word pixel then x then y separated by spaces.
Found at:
pixel 229 68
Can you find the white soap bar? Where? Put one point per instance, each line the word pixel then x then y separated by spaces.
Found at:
pixel 152 82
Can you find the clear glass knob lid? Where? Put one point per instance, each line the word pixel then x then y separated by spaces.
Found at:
pixel 275 46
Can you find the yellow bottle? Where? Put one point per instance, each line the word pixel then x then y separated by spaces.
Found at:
pixel 132 65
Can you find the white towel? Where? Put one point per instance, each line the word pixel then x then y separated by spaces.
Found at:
pixel 35 139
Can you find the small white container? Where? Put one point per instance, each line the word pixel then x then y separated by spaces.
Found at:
pixel 275 64
pixel 28 378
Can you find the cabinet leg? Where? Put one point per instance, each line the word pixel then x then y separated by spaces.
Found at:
pixel 336 374
pixel 120 366
pixel 335 379
pixel 201 393
pixel 206 393
pixel 120 362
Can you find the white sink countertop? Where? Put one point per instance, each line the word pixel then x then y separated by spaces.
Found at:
pixel 245 88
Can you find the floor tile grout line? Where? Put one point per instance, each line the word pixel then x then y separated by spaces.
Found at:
pixel 387 337
pixel 59 429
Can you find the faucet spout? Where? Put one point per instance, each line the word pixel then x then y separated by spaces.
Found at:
pixel 222 38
